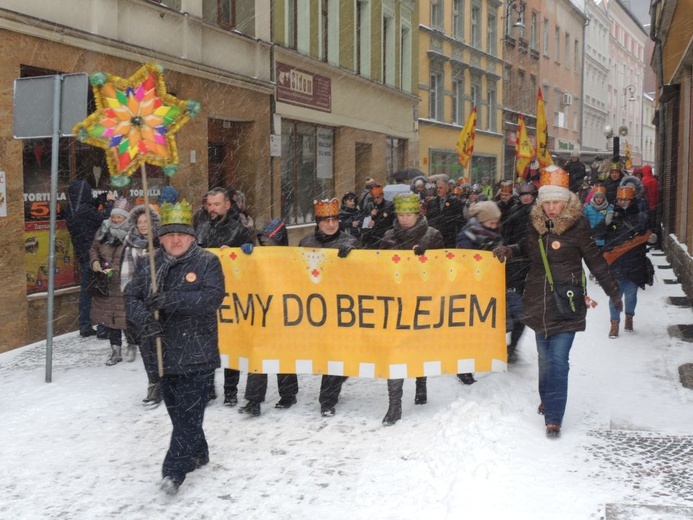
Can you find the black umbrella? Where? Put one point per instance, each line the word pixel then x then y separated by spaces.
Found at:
pixel 406 174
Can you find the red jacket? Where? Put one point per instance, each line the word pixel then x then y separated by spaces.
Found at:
pixel 651 187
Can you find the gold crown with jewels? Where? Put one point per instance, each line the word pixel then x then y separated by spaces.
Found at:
pixel 178 213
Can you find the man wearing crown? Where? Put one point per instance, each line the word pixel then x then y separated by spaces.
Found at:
pixel 222 230
pixel 328 235
pixel 189 291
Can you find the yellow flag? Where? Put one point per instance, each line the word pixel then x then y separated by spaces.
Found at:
pixel 542 133
pixel 629 157
pixel 524 151
pixel 465 142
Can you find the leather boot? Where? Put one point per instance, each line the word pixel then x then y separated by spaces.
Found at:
pixel 420 397
pixel 116 355
pixel 394 412
pixel 613 331
pixel 628 327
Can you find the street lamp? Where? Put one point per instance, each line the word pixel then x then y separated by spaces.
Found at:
pixel 626 90
pixel 517 6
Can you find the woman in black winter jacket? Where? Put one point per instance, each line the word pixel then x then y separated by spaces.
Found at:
pixel 410 231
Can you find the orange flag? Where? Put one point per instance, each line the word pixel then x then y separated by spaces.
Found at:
pixel 465 142
pixel 524 151
pixel 629 157
pixel 542 133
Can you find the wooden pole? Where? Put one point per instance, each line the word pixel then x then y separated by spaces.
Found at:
pixel 152 267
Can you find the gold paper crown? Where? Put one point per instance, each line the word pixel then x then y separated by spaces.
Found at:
pixel 599 189
pixel 506 187
pixel 552 175
pixel 376 190
pixel 327 208
pixel 178 213
pixel 625 192
pixel 407 203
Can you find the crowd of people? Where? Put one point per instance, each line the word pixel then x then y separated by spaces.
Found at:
pixel 541 225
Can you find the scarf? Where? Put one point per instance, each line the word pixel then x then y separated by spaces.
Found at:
pixel 135 248
pixel 114 234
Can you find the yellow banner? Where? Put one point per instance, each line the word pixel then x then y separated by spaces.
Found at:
pixel 543 153
pixel 465 141
pixel 524 151
pixel 384 314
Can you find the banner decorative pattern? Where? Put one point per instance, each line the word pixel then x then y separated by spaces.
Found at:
pixel 543 154
pixel 383 314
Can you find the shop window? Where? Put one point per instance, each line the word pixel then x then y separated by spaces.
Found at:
pixel 307 170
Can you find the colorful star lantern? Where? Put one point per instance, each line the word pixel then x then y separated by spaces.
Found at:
pixel 135 122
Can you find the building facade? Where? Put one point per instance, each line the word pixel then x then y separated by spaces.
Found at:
pixel 460 67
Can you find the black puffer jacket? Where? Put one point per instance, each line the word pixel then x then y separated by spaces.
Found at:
pixel 474 235
pixel 626 224
pixel 448 220
pixel 226 231
pixel 382 221
pixel 319 239
pixel 194 285
pixel 420 234
pixel 83 217
pixel 513 231
pixel 567 241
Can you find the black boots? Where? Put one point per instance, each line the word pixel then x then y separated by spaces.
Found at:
pixel 394 412
pixel 466 379
pixel 420 397
pixel 285 402
pixel 251 408
pixel 154 396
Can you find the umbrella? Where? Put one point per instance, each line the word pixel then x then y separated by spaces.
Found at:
pixel 406 174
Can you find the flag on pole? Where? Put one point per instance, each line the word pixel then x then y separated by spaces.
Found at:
pixel 524 151
pixel 465 142
pixel 542 134
pixel 629 157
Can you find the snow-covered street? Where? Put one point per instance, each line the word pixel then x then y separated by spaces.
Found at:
pixel 83 447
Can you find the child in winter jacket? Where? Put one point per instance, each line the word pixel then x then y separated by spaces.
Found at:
pixel 598 211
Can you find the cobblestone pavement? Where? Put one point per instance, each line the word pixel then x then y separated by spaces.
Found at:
pixel 658 468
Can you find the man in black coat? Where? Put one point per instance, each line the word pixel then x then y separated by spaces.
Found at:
pixel 222 230
pixel 190 290
pixel 446 214
pixel 378 217
pixel 577 171
pixel 83 219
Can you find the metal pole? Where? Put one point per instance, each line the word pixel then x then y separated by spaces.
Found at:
pixel 55 150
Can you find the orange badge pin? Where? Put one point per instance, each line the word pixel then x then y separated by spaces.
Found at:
pixel 190 277
pixel 555 245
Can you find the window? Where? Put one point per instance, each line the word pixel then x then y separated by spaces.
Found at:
pixel 458 100
pixel 396 151
pixel 476 26
pixel 557 44
pixel 492 34
pixel 324 29
pixel 533 33
pixel 458 19
pixel 305 176
pixel 437 14
pixel 405 56
pixel 546 37
pixel 291 23
pixel 576 57
pixel 447 162
pixel 491 110
pixel 388 72
pixel 363 40
pixel 522 90
pixel 435 96
pixel 475 93
pixel 567 51
pixel 237 14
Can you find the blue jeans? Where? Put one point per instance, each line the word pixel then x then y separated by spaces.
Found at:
pixel 185 396
pixel 86 275
pixel 554 365
pixel 629 292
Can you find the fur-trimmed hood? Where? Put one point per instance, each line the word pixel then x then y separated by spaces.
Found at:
pixel 636 183
pixel 570 216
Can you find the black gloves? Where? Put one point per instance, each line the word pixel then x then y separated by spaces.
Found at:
pixel 152 328
pixel 419 250
pixel 156 301
pixel 502 253
pixel 618 303
pixel 344 251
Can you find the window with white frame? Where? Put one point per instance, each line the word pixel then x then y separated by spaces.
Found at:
pixel 475 92
pixel 363 38
pixel 491 110
pixel 576 56
pixel 557 44
pixel 437 7
pixel 567 51
pixel 492 34
pixel 435 95
pixel 546 37
pixel 458 99
pixel 458 19
pixel 476 26
pixel 533 32
pixel 388 36
pixel 405 54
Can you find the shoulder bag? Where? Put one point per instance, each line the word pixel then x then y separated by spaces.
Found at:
pixel 569 298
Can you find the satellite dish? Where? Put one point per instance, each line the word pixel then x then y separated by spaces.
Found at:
pixel 623 131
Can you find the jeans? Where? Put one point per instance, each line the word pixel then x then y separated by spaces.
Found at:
pixel 554 366
pixel 185 396
pixel 86 275
pixel 629 292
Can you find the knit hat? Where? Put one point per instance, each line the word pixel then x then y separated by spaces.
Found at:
pixel 326 208
pixel 168 194
pixel 407 203
pixel 274 231
pixel 599 190
pixel 122 207
pixel 176 218
pixel 554 183
pixel 485 211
